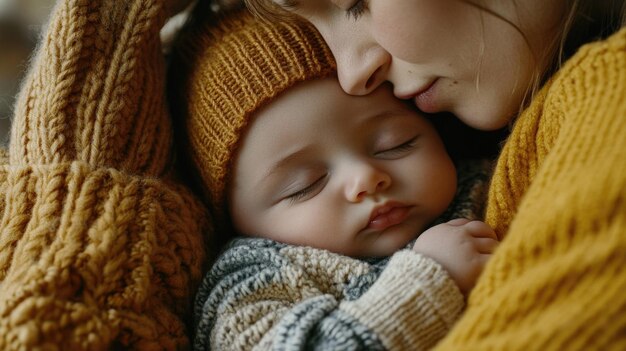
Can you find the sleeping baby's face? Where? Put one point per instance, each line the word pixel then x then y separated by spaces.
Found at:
pixel 356 175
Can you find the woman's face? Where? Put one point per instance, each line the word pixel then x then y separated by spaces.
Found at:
pixel 445 55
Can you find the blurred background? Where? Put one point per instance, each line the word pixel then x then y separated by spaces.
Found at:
pixel 20 26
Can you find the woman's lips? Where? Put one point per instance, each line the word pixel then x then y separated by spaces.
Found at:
pixel 388 215
pixel 425 100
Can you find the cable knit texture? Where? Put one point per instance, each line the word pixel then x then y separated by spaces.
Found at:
pixel 558 198
pixel 99 247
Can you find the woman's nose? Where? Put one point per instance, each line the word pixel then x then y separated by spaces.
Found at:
pixel 361 72
pixel 365 180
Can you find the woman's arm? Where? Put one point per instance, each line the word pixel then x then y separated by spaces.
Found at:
pixel 558 280
pixel 98 248
pixel 266 295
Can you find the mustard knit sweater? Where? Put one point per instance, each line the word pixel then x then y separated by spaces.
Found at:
pixel 558 198
pixel 99 248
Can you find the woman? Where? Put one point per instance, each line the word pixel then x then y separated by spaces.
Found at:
pixel 557 194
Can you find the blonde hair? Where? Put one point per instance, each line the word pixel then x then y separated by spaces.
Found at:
pixel 584 21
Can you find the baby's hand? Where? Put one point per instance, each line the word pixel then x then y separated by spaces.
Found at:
pixel 461 246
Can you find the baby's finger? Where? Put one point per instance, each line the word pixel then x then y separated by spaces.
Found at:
pixel 458 222
pixel 485 245
pixel 480 229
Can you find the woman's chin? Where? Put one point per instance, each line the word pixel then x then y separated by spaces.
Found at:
pixel 486 119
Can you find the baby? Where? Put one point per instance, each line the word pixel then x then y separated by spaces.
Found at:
pixel 330 192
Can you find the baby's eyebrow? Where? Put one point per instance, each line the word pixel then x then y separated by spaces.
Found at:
pixel 285 162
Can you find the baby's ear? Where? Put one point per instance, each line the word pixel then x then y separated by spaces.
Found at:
pixel 95 89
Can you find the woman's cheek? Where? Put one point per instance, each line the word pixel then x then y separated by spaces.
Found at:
pixel 401 28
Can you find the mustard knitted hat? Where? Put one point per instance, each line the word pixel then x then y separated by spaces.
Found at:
pixel 235 68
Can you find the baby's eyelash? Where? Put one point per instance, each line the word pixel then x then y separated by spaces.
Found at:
pixel 355 11
pixel 407 145
pixel 399 149
pixel 301 194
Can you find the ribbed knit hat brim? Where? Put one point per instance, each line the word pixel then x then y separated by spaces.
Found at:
pixel 236 67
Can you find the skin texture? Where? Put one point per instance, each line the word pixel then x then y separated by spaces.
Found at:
pixel 481 64
pixel 354 154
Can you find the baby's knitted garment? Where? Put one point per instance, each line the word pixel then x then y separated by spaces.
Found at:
pixel 261 294
pixel 99 248
pixel 270 296
pixel 558 198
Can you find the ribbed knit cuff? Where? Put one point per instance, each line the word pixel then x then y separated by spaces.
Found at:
pixel 412 305
pixel 90 257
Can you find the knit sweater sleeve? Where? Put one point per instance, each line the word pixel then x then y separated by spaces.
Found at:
pixel 264 295
pixel 558 198
pixel 99 249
